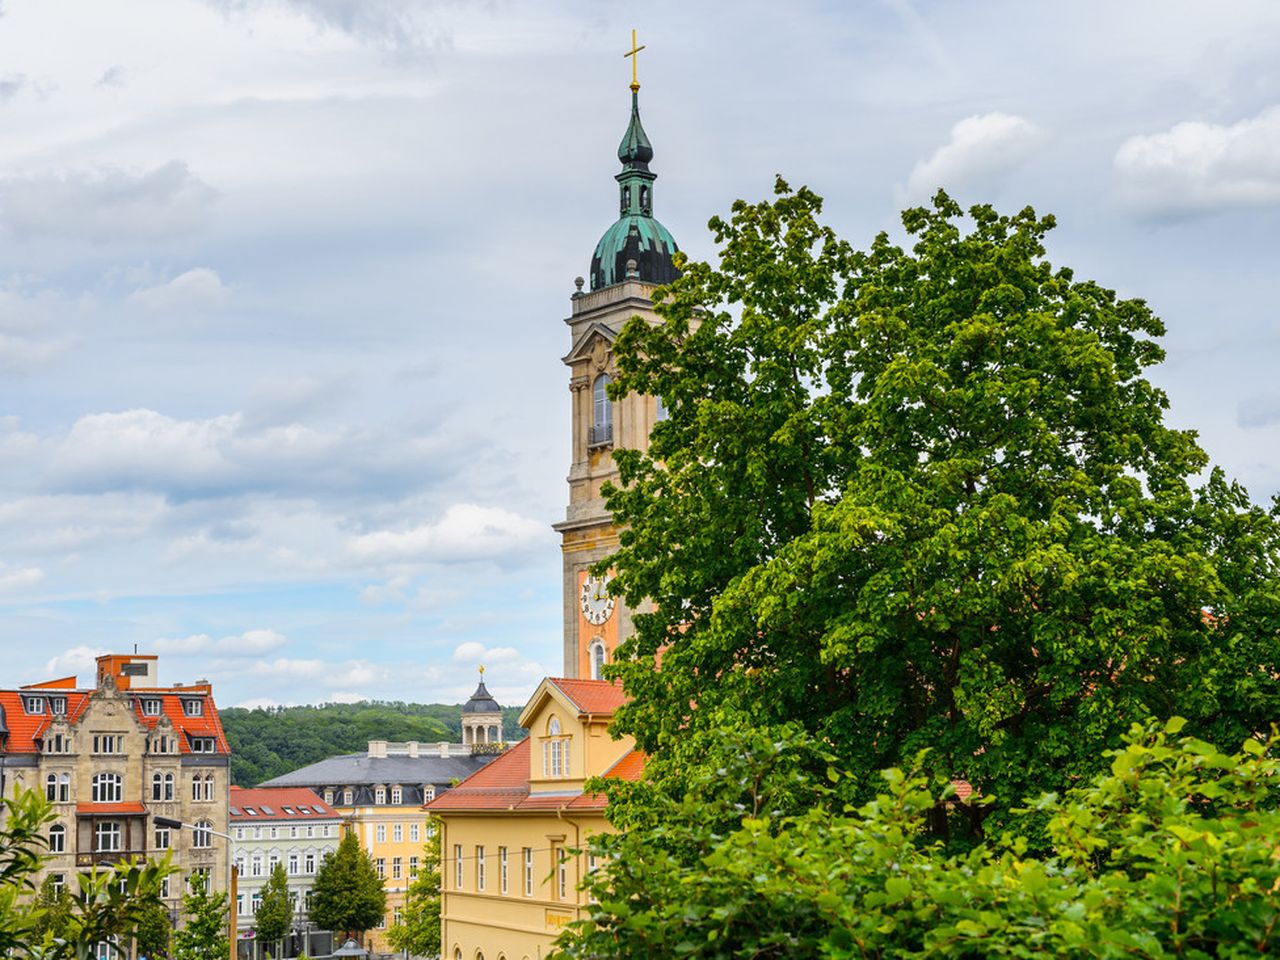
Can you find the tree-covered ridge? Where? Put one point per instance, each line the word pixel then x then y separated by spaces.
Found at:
pixel 270 742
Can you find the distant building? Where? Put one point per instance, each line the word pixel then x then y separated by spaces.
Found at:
pixel 379 795
pixel 509 881
pixel 291 826
pixel 114 757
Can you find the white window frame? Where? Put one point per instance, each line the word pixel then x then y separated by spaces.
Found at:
pixel 502 870
pixel 457 866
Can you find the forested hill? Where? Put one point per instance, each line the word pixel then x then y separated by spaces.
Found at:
pixel 266 743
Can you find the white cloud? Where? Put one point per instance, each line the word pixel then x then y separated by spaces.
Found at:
pixel 251 643
pixel 19 354
pixel 76 660
pixel 981 148
pixel 196 289
pixel 406 28
pixel 466 531
pixel 1195 167
pixel 12 581
pixel 474 653
pixel 108 205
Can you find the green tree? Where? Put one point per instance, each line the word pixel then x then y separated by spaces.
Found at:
pixel 108 905
pixel 275 910
pixel 52 910
pixel 1169 854
pixel 204 934
pixel 923 497
pixel 347 896
pixel 418 931
pixel 154 931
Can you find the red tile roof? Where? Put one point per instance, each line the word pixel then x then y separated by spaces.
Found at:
pixel 25 728
pixel 280 801
pixel 504 785
pixel 100 809
pixel 599 697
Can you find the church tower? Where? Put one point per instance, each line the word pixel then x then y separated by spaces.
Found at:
pixel 631 259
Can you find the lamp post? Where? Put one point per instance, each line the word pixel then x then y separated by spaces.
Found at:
pixel 231 871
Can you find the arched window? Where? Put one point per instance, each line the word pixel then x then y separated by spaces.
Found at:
pixel 107 788
pixel 51 788
pixel 597 659
pixel 208 786
pixel 196 790
pixel 457 953
pixel 601 411
pixel 157 786
pixel 168 786
pixel 553 752
pixel 202 834
pixel 553 727
pixel 64 787
pixel 57 838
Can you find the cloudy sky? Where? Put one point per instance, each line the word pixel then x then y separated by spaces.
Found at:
pixel 283 280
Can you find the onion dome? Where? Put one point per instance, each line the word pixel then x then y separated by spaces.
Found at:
pixel 636 238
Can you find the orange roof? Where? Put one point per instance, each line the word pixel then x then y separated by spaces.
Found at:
pixel 85 809
pixel 600 697
pixel 504 785
pixel 62 683
pixel 284 803
pixel 25 728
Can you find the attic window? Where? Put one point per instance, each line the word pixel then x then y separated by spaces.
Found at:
pixel 250 811
pixel 193 708
pixel 33 704
pixel 288 810
pixel 204 745
pixel 319 810
pixel 235 811
pixel 268 811
pixel 151 708
pixel 58 705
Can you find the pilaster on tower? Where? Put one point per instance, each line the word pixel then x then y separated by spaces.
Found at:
pixel 632 259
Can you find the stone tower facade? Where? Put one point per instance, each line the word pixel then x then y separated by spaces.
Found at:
pixel 631 260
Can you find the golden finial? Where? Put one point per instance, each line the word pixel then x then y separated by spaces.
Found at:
pixel 481 671
pixel 635 83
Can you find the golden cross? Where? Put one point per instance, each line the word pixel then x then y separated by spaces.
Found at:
pixel 635 83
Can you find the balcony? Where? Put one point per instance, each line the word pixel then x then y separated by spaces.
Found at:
pixel 107 858
pixel 601 434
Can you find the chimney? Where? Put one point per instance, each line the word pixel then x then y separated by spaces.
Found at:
pixel 413 748
pixel 377 748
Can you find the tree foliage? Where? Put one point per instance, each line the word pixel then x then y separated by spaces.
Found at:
pixel 1171 853
pixel 267 743
pixel 275 911
pixel 418 931
pixel 153 933
pixel 924 497
pixel 347 895
pixel 107 906
pixel 204 934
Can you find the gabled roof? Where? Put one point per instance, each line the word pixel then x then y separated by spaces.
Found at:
pixel 25 728
pixel 582 344
pixel 504 785
pixel 598 697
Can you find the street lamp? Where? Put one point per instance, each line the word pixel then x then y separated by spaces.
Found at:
pixel 231 869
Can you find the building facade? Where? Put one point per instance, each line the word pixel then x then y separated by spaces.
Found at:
pixel 112 758
pixel 509 879
pixel 631 260
pixel 379 795
pixel 291 826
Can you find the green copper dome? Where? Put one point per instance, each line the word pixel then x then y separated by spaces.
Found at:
pixel 636 236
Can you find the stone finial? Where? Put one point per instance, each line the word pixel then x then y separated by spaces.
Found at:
pixel 633 270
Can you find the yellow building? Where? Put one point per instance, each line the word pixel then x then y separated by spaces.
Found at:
pixel 508 881
pixel 379 795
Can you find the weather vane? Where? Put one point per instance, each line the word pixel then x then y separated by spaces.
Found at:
pixel 635 82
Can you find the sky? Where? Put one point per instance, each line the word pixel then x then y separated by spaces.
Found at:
pixel 282 282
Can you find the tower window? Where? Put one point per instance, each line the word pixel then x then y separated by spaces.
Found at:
pixel 601 411
pixel 597 659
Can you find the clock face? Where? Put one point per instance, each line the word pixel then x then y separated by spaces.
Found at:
pixel 597 605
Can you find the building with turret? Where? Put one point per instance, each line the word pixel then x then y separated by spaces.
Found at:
pixel 379 794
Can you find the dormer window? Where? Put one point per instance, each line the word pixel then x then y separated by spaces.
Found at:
pixel 601 411
pixel 193 708
pixel 555 752
pixel 58 706
pixel 397 795
pixel 380 796
pixel 151 708
pixel 33 704
pixel 347 796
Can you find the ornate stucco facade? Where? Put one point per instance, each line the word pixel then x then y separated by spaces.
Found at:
pixel 112 759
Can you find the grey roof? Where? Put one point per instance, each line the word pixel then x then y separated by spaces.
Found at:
pixel 481 702
pixel 355 769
